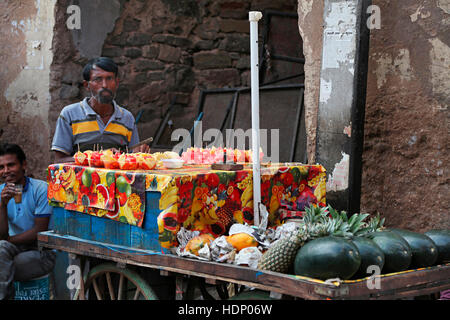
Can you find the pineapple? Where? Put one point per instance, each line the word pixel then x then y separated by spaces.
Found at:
pixel 317 222
pixel 280 256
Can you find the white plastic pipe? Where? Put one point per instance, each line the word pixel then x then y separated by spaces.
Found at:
pixel 254 17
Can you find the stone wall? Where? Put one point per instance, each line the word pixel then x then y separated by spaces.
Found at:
pixel 166 49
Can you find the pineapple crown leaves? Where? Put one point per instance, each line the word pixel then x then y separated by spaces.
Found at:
pixel 324 221
pixel 356 222
pixel 337 215
pixel 374 224
pixel 315 214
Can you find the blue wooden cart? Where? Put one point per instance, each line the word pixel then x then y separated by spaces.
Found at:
pixel 122 261
pixel 124 272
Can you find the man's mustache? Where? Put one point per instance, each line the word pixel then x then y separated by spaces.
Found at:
pixel 104 89
pixel 102 98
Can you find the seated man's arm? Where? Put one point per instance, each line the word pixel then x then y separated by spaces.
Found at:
pixel 42 214
pixel 30 236
pixel 3 222
pixel 6 195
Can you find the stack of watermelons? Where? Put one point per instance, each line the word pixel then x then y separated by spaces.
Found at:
pixel 385 251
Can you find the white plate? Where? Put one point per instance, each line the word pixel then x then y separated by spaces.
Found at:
pixel 172 163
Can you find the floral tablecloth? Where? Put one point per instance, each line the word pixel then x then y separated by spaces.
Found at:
pixel 194 196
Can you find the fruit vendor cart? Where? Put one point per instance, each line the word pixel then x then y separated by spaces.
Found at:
pixel 125 224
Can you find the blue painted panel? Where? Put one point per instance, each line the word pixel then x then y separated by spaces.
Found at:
pixel 34 289
pixel 110 231
pixel 152 200
pixel 59 220
pixel 144 239
pixel 151 211
pixel 147 236
pixel 60 276
pixel 78 224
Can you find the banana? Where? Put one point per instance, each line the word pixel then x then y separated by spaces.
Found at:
pixel 209 216
pixel 71 184
pixel 171 191
pixel 128 214
pixel 196 205
pixel 68 179
pixel 247 195
pixel 65 175
pixel 320 190
pixel 274 204
pixel 167 201
pixel 248 204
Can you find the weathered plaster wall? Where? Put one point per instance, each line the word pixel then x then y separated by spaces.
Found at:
pixel 26 32
pixel 405 168
pixel 405 160
pixel 310 14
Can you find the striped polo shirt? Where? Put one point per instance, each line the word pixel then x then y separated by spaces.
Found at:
pixel 79 126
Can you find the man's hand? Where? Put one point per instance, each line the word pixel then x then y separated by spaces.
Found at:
pixel 144 148
pixel 62 157
pixel 7 193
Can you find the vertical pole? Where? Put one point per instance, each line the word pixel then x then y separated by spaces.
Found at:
pixel 254 17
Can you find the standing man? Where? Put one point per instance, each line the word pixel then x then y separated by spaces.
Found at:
pixel 97 120
pixel 24 212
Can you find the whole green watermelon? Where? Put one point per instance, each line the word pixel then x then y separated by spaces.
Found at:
pixel 424 250
pixel 441 237
pixel 326 258
pixel 371 255
pixel 397 252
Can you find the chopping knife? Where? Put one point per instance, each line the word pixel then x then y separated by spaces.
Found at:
pixel 142 142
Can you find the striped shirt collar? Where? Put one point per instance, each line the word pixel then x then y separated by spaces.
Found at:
pixel 117 114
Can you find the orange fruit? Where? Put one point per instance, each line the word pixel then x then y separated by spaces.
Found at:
pixel 198 242
pixel 242 240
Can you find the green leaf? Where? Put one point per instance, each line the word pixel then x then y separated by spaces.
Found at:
pixel 352 219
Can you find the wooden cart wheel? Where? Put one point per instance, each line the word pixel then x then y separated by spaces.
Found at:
pixel 109 282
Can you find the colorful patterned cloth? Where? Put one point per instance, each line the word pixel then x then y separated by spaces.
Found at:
pixel 114 194
pixel 194 196
pixel 210 201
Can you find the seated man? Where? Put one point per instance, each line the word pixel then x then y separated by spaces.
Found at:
pixel 21 218
pixel 97 121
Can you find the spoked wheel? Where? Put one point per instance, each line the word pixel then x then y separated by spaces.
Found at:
pixel 109 282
